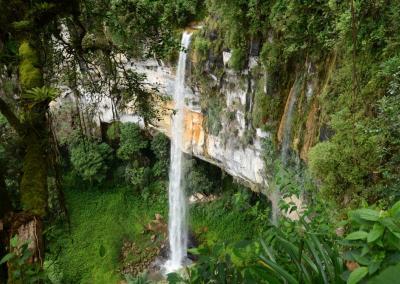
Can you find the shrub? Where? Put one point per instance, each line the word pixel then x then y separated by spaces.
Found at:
pixel 271 56
pixel 160 147
pixel 138 176
pixel 301 256
pixel 90 160
pixel 113 131
pixel 202 177
pixel 266 108
pixel 349 159
pixel 132 141
pixel 374 240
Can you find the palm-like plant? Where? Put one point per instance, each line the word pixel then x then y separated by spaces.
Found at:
pixel 306 259
pixel 40 94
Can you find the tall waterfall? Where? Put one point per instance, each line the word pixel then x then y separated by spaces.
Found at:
pixel 177 225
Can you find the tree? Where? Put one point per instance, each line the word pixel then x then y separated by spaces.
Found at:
pixel 44 44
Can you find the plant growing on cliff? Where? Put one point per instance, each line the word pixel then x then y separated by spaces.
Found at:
pixel 201 47
pixel 238 59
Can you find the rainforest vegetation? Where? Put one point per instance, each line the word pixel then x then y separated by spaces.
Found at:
pixel 308 89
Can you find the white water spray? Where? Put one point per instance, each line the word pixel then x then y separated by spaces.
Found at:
pixel 177 225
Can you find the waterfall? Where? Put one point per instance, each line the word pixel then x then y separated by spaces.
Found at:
pixel 275 195
pixel 177 225
pixel 287 129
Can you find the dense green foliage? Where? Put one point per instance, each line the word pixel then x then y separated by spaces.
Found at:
pixel 334 65
pixel 352 56
pixel 161 149
pixel 150 26
pixel 375 241
pixel 91 248
pixel 90 160
pixel 22 270
pixel 131 142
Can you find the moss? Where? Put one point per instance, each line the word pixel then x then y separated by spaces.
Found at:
pixel 34 193
pixel 30 75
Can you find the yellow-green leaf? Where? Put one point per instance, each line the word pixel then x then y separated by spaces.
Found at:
pixel 375 233
pixel 357 275
pixel 359 235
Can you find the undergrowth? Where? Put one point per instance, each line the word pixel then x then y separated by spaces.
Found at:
pixel 101 220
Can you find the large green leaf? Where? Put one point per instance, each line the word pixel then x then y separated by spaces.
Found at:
pixel 395 210
pixel 390 223
pixel 375 233
pixel 357 275
pixel 367 214
pixel 358 235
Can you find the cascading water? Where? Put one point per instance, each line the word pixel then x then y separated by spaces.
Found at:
pixel 177 225
pixel 287 129
pixel 285 150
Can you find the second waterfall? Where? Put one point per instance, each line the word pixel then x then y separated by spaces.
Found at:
pixel 177 224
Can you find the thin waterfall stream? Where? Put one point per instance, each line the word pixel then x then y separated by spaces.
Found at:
pixel 177 223
pixel 285 150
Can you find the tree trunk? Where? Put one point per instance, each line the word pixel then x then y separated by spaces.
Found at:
pixel 28 224
pixel 33 186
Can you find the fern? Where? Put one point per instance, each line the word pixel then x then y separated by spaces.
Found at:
pixel 41 94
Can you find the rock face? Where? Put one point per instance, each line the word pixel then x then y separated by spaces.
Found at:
pixel 218 126
pixel 225 149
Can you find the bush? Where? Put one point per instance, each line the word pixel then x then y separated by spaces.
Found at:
pixel 347 162
pixel 202 177
pixel 160 146
pixel 113 131
pixel 266 108
pixel 132 141
pixel 138 176
pixel 374 240
pixel 271 56
pixel 90 160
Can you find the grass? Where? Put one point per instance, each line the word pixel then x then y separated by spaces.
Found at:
pixel 100 222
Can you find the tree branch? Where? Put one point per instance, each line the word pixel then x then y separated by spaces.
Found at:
pixel 10 116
